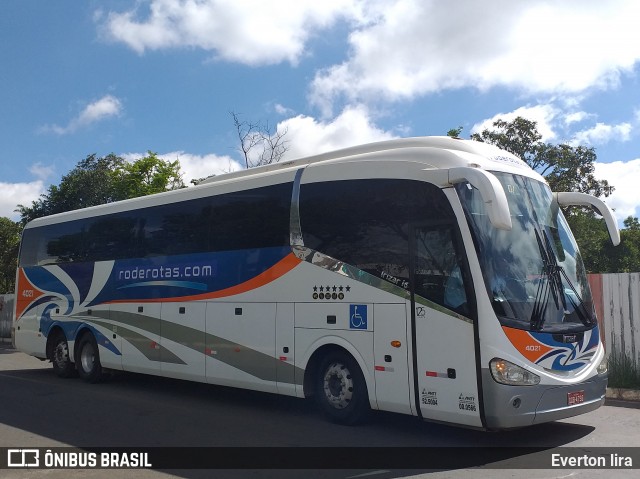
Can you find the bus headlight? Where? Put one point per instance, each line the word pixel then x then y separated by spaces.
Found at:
pixel 505 372
pixel 603 367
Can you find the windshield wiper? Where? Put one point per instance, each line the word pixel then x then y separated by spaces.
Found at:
pixel 559 272
pixel 553 271
pixel 579 306
pixel 547 286
pixel 552 283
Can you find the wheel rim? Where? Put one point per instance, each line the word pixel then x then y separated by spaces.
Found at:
pixel 338 385
pixel 61 354
pixel 87 358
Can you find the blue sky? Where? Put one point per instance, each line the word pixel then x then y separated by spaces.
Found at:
pixel 125 77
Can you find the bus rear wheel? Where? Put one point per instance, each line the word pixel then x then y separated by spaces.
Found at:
pixel 341 391
pixel 88 360
pixel 60 359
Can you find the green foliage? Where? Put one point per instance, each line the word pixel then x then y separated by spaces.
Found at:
pixel 519 137
pixel 593 238
pixel 89 183
pixel 626 256
pixel 624 372
pixel 455 132
pixel 565 167
pixel 94 181
pixel 598 253
pixel 99 180
pixel 632 224
pixel 146 176
pixel 9 243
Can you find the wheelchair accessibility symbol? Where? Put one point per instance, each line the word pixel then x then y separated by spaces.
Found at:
pixel 358 315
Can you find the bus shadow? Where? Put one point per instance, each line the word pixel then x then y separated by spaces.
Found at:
pixel 131 410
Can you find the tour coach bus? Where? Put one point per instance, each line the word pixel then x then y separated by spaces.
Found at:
pixel 428 276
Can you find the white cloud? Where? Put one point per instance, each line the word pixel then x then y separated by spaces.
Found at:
pixel 558 125
pixel 40 171
pixel 625 199
pixel 577 117
pixel 282 110
pixel 305 136
pixel 252 32
pixel 544 115
pixel 106 107
pixel 14 194
pixel 602 133
pixel 201 166
pixel 401 49
pixel 308 136
pixel 417 47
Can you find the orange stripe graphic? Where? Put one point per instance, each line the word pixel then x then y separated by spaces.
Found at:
pixel 528 346
pixel 27 294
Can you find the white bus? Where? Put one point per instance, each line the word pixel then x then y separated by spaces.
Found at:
pixel 428 276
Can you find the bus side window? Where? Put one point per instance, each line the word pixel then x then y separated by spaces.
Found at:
pixel 438 275
pixel 365 223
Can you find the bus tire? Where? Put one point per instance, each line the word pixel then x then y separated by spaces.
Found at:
pixel 341 391
pixel 88 359
pixel 60 359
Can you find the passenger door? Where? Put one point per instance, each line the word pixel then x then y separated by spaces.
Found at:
pixel 444 362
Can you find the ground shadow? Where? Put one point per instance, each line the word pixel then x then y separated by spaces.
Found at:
pixel 131 410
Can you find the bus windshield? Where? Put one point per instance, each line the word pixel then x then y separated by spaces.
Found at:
pixel 533 274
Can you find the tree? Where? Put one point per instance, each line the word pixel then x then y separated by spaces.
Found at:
pixel 99 180
pixel 259 144
pixel 565 167
pixel 600 256
pixel 89 183
pixel 146 176
pixel 593 238
pixel 455 132
pixel 9 243
pixel 625 258
pixel 569 168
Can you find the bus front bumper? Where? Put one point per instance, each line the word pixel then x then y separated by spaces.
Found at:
pixel 517 406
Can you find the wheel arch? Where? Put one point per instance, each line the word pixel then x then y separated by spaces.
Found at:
pixel 326 345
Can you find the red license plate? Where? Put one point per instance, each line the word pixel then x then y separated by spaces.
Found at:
pixel 574 398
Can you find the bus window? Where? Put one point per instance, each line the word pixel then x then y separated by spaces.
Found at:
pixel 438 273
pixel 365 223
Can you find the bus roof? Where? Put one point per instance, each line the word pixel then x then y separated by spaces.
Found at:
pixel 488 156
pixel 436 152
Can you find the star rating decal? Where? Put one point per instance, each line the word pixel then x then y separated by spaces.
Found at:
pixel 328 292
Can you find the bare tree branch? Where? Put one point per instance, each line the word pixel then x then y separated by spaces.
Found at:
pixel 259 145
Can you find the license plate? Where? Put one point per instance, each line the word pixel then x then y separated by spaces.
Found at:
pixel 574 398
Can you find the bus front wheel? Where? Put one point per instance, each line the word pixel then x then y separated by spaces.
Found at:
pixel 89 367
pixel 341 391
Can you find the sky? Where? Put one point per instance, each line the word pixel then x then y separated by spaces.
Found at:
pixel 127 77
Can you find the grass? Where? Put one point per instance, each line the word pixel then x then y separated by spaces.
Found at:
pixel 624 371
